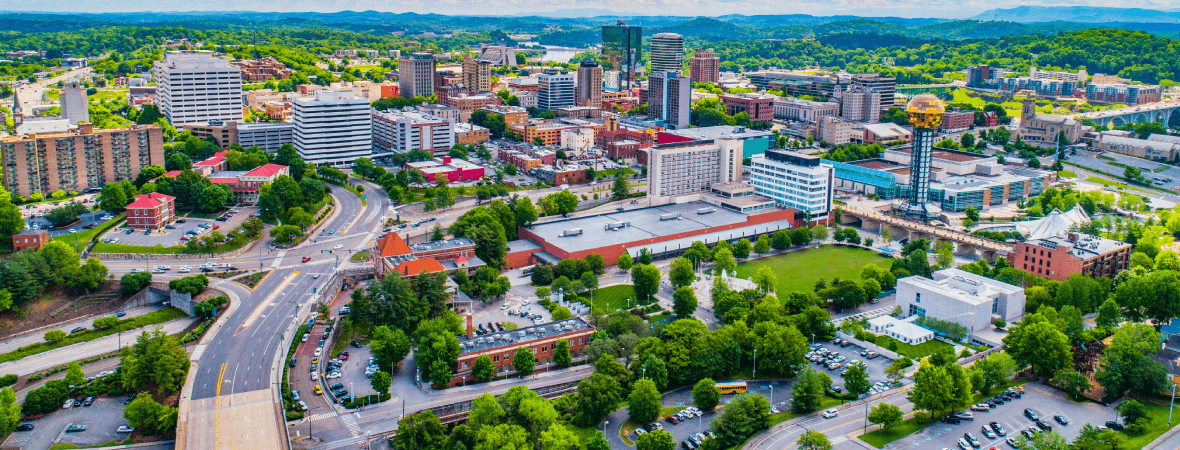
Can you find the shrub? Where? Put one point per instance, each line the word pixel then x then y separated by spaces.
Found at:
pixel 8 380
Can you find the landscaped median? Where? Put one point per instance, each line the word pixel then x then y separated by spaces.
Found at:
pixel 152 318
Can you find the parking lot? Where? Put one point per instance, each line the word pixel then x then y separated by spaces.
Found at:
pixel 91 219
pixel 875 367
pixel 496 312
pixel 1045 401
pixel 101 419
pixel 172 237
pixel 352 373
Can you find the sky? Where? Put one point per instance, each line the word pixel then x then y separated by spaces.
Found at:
pixel 867 8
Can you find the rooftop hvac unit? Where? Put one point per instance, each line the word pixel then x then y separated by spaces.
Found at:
pixel 571 232
pixel 670 216
pixel 523 333
pixel 706 210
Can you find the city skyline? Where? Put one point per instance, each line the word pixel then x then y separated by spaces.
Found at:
pixel 938 9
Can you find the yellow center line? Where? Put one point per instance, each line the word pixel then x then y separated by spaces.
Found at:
pixel 217 406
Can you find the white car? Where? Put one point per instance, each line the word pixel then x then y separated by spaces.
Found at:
pixel 183 269
pixel 333 375
pixel 68 404
pixel 315 376
pixel 305 336
pixel 829 413
pixel 504 306
pixel 317 352
pixel 338 247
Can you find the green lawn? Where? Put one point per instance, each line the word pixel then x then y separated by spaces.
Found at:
pixel 369 67
pixel 66 445
pixel 799 270
pixel 1159 424
pixel 1116 184
pixel 359 256
pixel 915 351
pixel 108 95
pixel 880 438
pixel 613 298
pixel 1066 173
pixel 84 236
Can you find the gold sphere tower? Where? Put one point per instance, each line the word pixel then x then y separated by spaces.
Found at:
pixel 924 113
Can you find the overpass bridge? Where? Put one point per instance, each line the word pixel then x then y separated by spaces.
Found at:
pixel 965 244
pixel 1163 112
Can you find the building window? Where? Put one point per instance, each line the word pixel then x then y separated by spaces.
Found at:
pixel 918 298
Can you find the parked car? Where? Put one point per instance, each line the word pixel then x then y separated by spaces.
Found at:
pixel 829 413
pixel 76 428
pixel 125 429
pixel 78 330
pixel 24 427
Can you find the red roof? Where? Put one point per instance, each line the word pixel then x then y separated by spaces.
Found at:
pixel 216 159
pixel 150 200
pixel 173 174
pixel 415 267
pixel 224 180
pixel 268 170
pixel 392 245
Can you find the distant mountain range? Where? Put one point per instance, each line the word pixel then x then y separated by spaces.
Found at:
pixel 1082 14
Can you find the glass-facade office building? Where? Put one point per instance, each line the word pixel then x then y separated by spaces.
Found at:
pixel 622 49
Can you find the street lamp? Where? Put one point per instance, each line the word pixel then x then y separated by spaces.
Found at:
pixel 755 372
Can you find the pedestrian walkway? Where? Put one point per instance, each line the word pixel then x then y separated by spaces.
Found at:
pixel 350 422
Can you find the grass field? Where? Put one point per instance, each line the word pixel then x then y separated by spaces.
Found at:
pixel 799 270
pixel 1159 424
pixel 1011 107
pixel 915 351
pixel 84 236
pixel 369 67
pixel 613 298
pixel 1066 173
pixel 880 438
pixel 108 95
pixel 1115 184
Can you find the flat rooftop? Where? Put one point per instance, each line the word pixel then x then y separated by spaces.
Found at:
pixel 1086 247
pixel 874 163
pixel 947 155
pixel 513 338
pixel 441 245
pixel 645 223
pixel 718 132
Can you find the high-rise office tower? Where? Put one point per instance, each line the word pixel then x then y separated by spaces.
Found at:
pixel 667 53
pixel 75 106
pixel 589 84
pixel 875 82
pixel 704 67
pixel 925 113
pixel 195 86
pixel 477 75
pixel 555 91
pixel 334 127
pixel 622 47
pixel 416 75
pixel 669 95
pixel 861 104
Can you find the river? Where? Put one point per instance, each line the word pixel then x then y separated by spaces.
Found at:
pixel 556 53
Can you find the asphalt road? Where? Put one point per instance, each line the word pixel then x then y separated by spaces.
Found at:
pixel 36 336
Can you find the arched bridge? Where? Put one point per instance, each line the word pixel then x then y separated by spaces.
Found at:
pixel 964 243
pixel 1164 112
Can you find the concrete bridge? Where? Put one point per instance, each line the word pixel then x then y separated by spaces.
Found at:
pixel 965 244
pixel 1163 112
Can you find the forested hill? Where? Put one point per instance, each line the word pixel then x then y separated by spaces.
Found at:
pixel 1080 14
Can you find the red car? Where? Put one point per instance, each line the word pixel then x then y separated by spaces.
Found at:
pixel 306 258
pixel 216 227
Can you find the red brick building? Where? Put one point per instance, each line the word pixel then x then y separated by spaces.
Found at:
pixel 502 346
pixel 623 143
pixel 33 239
pixel 958 120
pixel 567 174
pixel 760 107
pixel 1058 257
pixel 151 211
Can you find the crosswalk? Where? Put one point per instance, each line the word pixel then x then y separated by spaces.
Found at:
pixel 278 259
pixel 322 416
pixel 350 422
pixel 309 263
pixel 342 443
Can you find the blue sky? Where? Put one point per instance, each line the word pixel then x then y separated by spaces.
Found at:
pixel 901 8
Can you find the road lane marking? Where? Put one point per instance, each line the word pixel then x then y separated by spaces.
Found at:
pixel 217 406
pixel 265 303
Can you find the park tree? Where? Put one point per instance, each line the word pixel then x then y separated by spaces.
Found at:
pixel 134 282
pixel 856 379
pixel 762 245
pixel 655 440
pixel 1038 343
pixel 598 396
pixel 421 430
pixel 644 401
pixel 9 411
pixel 1073 383
pixel 813 440
pixel 742 248
pixel 723 261
pixel 681 273
pixel 525 213
pixel 653 368
pixel 808 390
pixel 705 394
pixel 992 371
pixel 74 374
pixel 646 279
pixel 783 345
pixel 483 369
pixel 684 302
pixel 625 262
pixel 561 353
pixel 765 278
pixel 946 254
pixel 800 236
pixel 485 412
pixel 380 381
pixel 390 347
pixel 523 361
pixel 149 416
pixel 745 415
pixel 887 415
pixel 1126 364
pixel 780 240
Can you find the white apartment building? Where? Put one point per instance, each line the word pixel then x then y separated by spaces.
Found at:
pixel 692 167
pixel 556 91
pixel 790 108
pixel 402 131
pixel 195 86
pixel 334 127
pixel 962 297
pixel 268 136
pixel 527 99
pixel 793 180
pixel 667 53
pixel 669 99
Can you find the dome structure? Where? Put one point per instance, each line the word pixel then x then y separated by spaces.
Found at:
pixel 925 111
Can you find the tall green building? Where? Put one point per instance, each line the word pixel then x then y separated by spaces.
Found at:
pixel 622 50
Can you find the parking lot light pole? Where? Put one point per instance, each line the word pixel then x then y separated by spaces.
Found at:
pixel 1172 405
